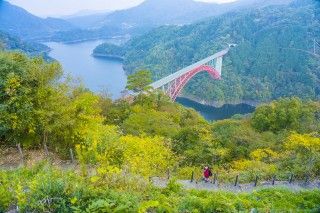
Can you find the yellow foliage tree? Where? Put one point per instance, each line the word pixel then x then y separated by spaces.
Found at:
pixel 254 167
pixel 265 155
pixel 146 156
pixel 303 143
pixel 100 146
pixel 305 148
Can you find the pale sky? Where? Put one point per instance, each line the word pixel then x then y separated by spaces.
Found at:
pixel 56 8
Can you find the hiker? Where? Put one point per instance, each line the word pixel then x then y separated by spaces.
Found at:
pixel 207 174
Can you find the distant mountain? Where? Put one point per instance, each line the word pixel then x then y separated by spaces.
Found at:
pixel 18 22
pixel 15 44
pixel 87 21
pixel 148 15
pixel 274 57
pixel 167 12
pixel 82 13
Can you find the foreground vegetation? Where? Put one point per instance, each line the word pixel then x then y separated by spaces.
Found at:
pixel 44 189
pixel 120 144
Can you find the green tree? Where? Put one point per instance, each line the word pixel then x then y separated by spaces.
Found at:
pixel 286 114
pixel 194 145
pixel 16 98
pixel 115 112
pixel 139 81
pixel 50 98
pixel 150 122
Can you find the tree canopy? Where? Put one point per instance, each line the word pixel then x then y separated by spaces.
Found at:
pixel 139 81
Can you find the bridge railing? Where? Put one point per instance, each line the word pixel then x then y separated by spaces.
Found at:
pixel 218 179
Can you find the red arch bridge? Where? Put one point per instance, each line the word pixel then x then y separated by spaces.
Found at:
pixel 174 83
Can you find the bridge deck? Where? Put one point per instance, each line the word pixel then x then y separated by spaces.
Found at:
pixel 158 84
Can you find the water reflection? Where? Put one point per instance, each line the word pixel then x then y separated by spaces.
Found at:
pixel 213 113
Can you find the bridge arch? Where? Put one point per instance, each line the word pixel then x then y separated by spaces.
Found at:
pixel 174 83
pixel 176 87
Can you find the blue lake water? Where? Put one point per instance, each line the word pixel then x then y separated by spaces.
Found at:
pixel 97 74
pixel 102 74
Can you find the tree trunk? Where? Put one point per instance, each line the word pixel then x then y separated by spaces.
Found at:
pixel 71 155
pixel 45 140
pixel 21 153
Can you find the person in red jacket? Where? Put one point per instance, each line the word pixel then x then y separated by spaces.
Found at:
pixel 207 174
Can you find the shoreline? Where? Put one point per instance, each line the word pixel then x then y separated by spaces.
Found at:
pixel 75 41
pixel 221 104
pixel 113 57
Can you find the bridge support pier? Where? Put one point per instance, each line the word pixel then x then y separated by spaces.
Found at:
pixel 218 64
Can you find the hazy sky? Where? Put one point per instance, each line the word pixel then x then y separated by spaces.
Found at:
pixel 66 7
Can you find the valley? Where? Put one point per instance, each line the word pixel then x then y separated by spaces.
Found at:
pixel 106 75
pixel 170 106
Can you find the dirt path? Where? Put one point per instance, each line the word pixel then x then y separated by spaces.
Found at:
pixel 187 184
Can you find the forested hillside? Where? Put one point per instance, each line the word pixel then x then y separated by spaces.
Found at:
pixel 13 43
pixel 119 145
pixel 271 60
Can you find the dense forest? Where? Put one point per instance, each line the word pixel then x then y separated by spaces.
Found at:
pixel 274 57
pixel 108 50
pixel 120 144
